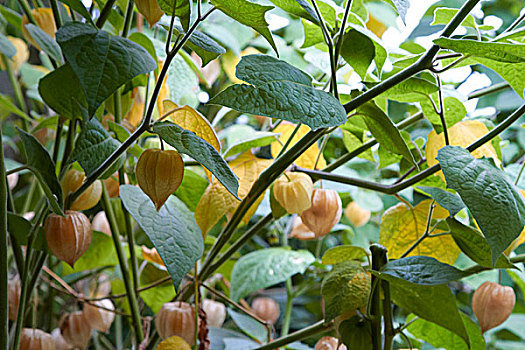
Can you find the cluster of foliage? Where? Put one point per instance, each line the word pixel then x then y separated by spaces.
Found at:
pixel 241 174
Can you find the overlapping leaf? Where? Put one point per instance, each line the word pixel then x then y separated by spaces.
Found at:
pixel 307 158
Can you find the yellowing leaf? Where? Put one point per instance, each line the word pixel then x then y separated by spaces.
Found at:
pixel 230 61
pixel 377 27
pixel 151 255
pixel 401 227
pixel 460 134
pixel 44 19
pixel 518 241
pixel 307 159
pixel 217 201
pixel 150 9
pixel 21 56
pixel 174 343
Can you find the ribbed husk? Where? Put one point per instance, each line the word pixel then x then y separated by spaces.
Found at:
pixel 177 318
pixel 492 304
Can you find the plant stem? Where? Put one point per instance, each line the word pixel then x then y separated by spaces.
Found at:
pixel 135 313
pixel 442 111
pixel 478 268
pixel 378 260
pixel 128 19
pixel 489 90
pixel 104 13
pixel 316 328
pixel 4 314
pixel 425 234
pixel 56 14
pixel 19 96
pixel 288 308
pixel 388 318
pixel 27 10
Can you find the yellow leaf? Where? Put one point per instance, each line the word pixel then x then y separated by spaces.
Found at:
pixel 307 159
pixel 518 241
pixel 401 227
pixel 375 26
pixel 189 119
pixel 217 201
pixel 460 134
pixel 150 9
pixel 174 343
pixel 230 61
pixel 44 19
pixel 21 56
pixel 151 255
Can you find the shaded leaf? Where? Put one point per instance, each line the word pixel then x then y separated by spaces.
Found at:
pixel 45 42
pixel 182 10
pixel 203 45
pixel 343 253
pixel 450 201
pixel 259 69
pixel 6 47
pixel 358 50
pixel 249 326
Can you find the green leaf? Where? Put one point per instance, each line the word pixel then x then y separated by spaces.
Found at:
pixel 474 245
pixel 345 289
pixel 343 253
pixel 182 10
pixel 299 8
pixel 188 143
pixel 204 46
pixel 440 337
pixel 488 194
pixel 356 333
pixel 249 326
pixel 249 14
pixel 19 227
pixel 144 41
pixel 434 303
pixel 101 62
pixel 93 146
pixel 9 106
pixel 101 252
pixel 12 17
pixel 401 7
pixel 513 73
pixel 352 142
pixel 6 48
pixel 258 139
pixel 443 15
pixel 46 43
pixel 422 270
pixel 411 90
pixel 172 230
pixel 40 163
pixel 385 131
pixel 62 92
pixel 358 51
pixel 159 295
pixel 264 268
pixel 455 111
pixel 191 189
pixel 78 7
pixel 501 52
pixel 450 201
pixel 285 100
pixel 257 70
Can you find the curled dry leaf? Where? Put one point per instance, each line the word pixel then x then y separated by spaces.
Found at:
pixel 293 191
pixel 35 339
pixel 68 237
pixel 72 180
pixel 324 213
pixel 159 174
pixel 99 316
pixel 176 318
pixel 357 215
pixel 266 308
pixel 492 304
pixel 75 329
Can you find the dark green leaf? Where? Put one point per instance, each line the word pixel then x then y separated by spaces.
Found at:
pixel 422 270
pixel 249 14
pixel 264 268
pixel 285 100
pixel 144 41
pixel 450 201
pixel 101 62
pixel 188 143
pixel 488 194
pixel 356 333
pixel 6 48
pixel 172 230
pixel 78 7
pixel 260 69
pixel 385 131
pixel 358 50
pixel 204 46
pixel 19 227
pixel 93 146
pixel 249 326
pixel 343 253
pixel 501 52
pixel 61 91
pixel 182 10
pixel 434 303
pixel 191 189
pixel 474 245
pixel 441 338
pixel 345 289
pixel 46 43
pixel 41 164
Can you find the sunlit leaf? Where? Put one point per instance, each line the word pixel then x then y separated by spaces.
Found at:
pixel 307 159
